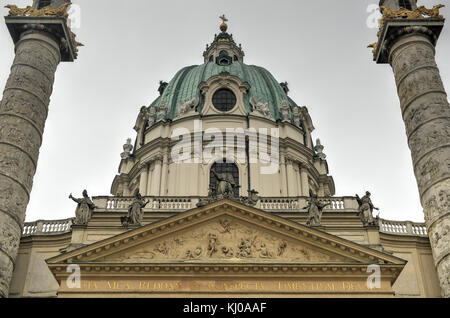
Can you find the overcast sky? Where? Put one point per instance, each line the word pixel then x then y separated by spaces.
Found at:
pixel 318 47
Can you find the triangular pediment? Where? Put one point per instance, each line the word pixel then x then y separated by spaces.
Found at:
pixel 225 232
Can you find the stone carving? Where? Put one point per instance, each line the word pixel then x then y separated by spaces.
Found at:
pixel 315 209
pixel 146 118
pixel 319 150
pixel 260 107
pixel 225 184
pixel 402 13
pixel 84 209
pixel 366 209
pixel 162 111
pixel 23 111
pixel 212 245
pixel 224 239
pixel 127 149
pixel 47 11
pixel 187 106
pixel 297 116
pixel 284 110
pixel 135 214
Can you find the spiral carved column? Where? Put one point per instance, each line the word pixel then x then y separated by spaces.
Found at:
pixel 426 112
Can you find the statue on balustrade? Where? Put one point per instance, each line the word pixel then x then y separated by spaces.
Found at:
pixel 135 214
pixel 315 209
pixel 83 213
pixel 366 209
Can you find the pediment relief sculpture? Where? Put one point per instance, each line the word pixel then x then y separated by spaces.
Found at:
pixel 225 239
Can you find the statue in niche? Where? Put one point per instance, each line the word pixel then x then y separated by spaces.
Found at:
pixel 225 184
pixel 315 209
pixel 135 214
pixel 366 209
pixel 84 209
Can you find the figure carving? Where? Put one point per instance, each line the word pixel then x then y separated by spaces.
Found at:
pixel 282 248
pixel 315 209
pixel 284 110
pixel 245 248
pixel 184 107
pixel 212 244
pixel 366 209
pixel 196 253
pixel 84 209
pixel 264 252
pixel 225 184
pixel 284 86
pixel 162 111
pixel 260 107
pixel 297 116
pixel 135 214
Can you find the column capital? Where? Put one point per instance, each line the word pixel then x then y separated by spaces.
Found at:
pixel 20 22
pixel 393 29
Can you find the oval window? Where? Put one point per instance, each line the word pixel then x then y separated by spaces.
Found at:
pixel 224 100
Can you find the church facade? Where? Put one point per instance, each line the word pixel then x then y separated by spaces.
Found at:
pixel 224 194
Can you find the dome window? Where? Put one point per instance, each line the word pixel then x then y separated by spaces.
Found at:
pixel 224 100
pixel 224 59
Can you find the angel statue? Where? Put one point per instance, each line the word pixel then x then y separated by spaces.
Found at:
pixel 84 209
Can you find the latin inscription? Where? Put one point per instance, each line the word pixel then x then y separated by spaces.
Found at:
pixel 287 286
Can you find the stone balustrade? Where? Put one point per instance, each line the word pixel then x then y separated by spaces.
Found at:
pixel 42 227
pixel 155 203
pixel 403 228
pixel 270 204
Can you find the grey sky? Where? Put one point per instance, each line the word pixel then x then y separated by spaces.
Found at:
pixel 318 47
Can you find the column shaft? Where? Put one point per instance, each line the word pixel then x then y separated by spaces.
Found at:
pixel 23 111
pixel 426 114
pixel 143 181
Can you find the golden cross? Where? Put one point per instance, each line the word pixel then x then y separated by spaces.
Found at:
pixel 223 18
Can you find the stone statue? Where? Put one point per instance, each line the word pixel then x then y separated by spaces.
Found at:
pixel 285 87
pixel 225 184
pixel 127 148
pixel 184 107
pixel 162 87
pixel 260 107
pixel 315 209
pixel 366 209
pixel 84 209
pixel 284 110
pixel 135 214
pixel 297 116
pixel 162 111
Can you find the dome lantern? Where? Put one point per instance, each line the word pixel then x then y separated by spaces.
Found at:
pixel 223 43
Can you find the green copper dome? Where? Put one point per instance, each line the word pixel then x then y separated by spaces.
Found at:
pixel 185 86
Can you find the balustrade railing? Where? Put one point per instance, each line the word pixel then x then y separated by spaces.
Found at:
pixel 42 227
pixel 403 228
pixel 271 204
